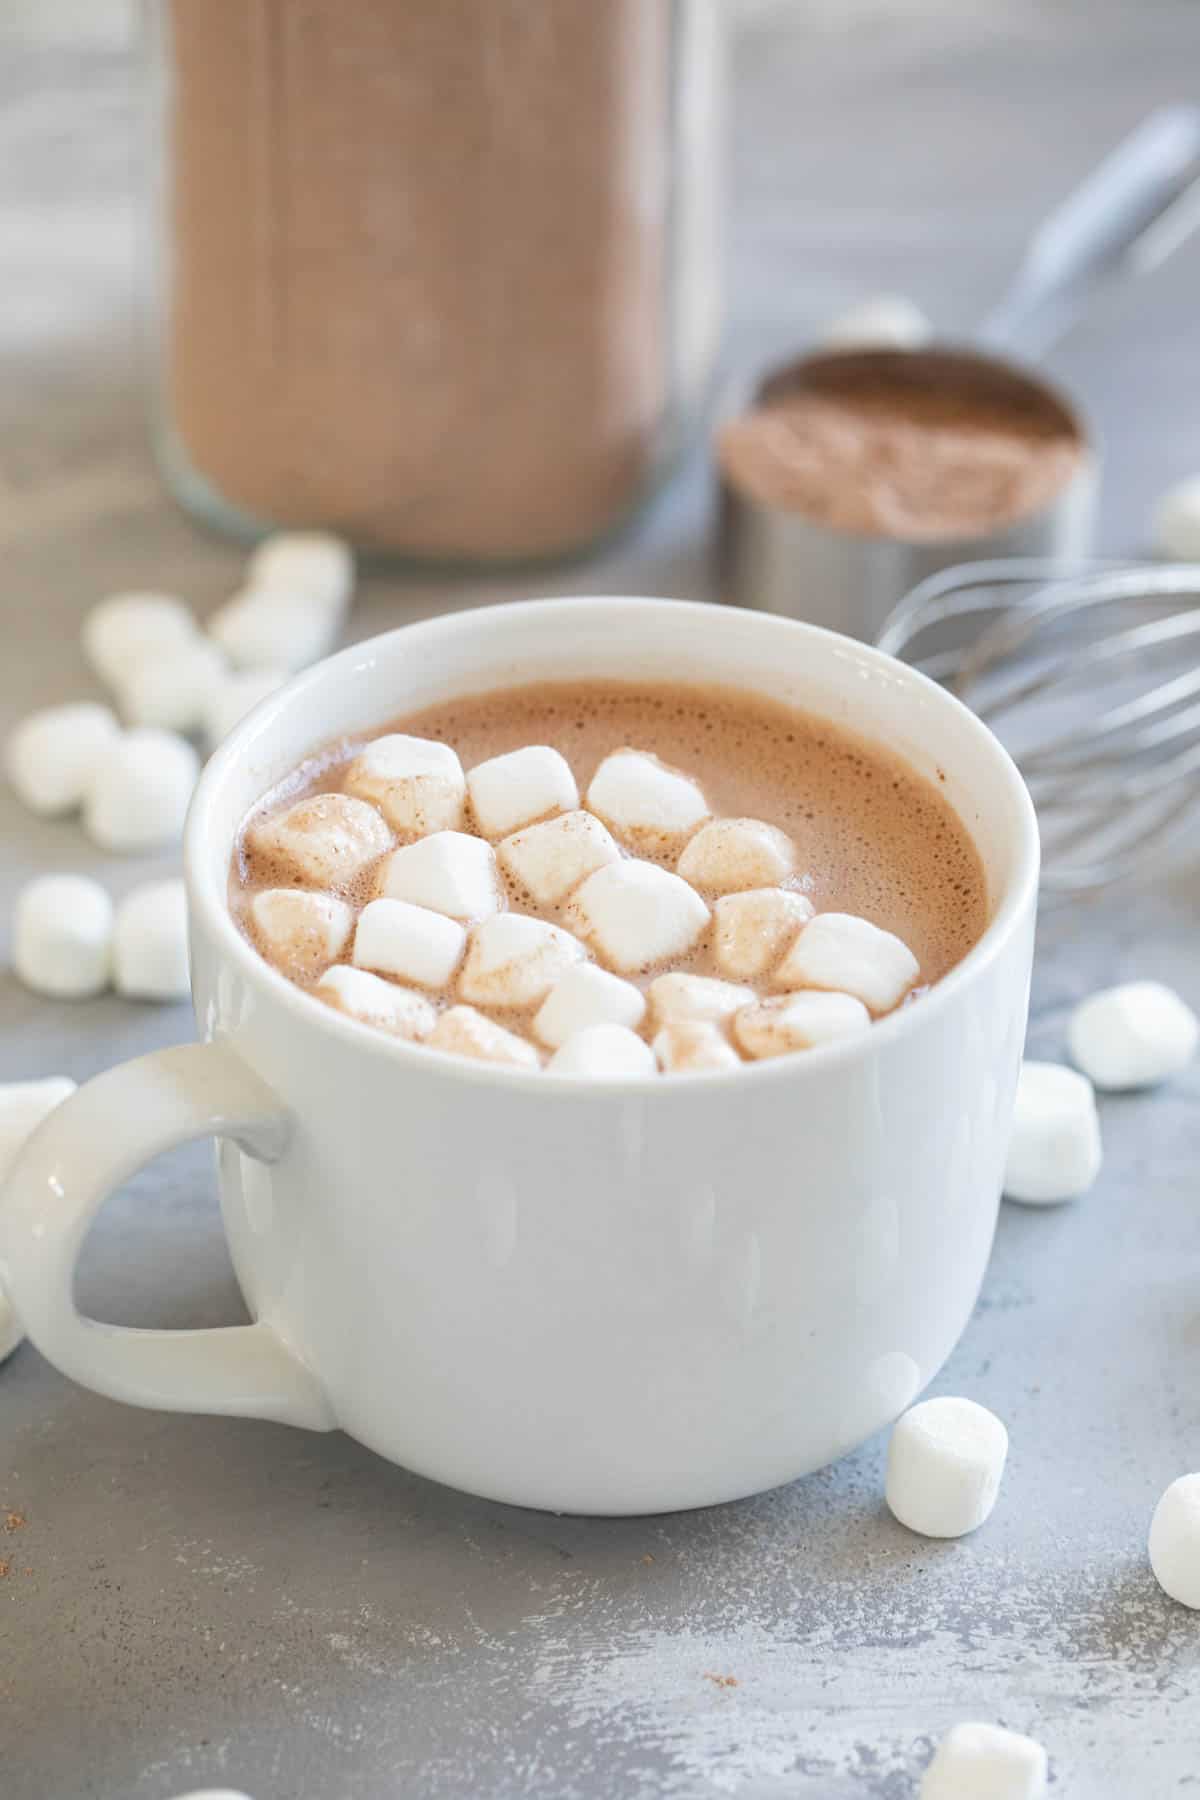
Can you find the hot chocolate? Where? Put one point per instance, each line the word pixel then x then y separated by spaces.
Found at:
pixel 713 873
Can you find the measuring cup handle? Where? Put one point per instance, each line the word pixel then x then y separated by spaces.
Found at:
pixel 1098 223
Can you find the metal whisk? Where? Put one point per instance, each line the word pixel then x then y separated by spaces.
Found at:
pixel 1092 679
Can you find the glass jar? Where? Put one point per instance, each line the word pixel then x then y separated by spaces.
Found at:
pixel 440 277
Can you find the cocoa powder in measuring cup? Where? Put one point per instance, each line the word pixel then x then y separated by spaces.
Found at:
pixel 921 446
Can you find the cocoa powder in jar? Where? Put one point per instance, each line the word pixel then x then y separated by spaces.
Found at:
pixel 417 266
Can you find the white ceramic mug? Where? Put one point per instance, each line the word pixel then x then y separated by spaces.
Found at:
pixel 602 1298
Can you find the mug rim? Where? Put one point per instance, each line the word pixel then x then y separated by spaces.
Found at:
pixel 209 906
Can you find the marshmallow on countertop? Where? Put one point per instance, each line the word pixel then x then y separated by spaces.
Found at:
pixel 884 322
pixel 49 756
pixel 1132 1036
pixel 635 914
pixel 728 856
pixel 603 1051
pixel 850 956
pixel 236 694
pixel 23 1106
pixel 374 1001
pixel 130 628
pixel 300 931
pixel 150 942
pixel 464 1032
pixel 325 840
pixel 985 1762
pixel 1176 528
pixel 172 688
pixel 691 1046
pixel 139 791
pixel 945 1460
pixel 645 801
pixel 550 860
pixel 682 996
pixel 510 791
pixel 62 936
pixel 273 627
pixel 1054 1153
pixel 409 942
pixel 752 930
pixel 314 563
pixel 587 995
pixel 450 873
pixel 802 1021
pixel 417 784
pixel 514 960
pixel 1175 1541
pixel 306 562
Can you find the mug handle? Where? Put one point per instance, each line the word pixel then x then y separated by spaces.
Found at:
pixel 87 1147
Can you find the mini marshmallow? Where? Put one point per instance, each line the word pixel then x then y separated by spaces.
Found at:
pixel 1132 1036
pixel 884 322
pixel 587 995
pixel 300 931
pixel 449 873
pixel 690 1046
pixel 635 914
pixel 682 996
pixel 646 802
pixel 50 755
pixel 234 696
pixel 314 563
pixel 550 860
pixel 23 1106
pixel 601 1051
pixel 728 856
pixel 802 1021
pixel 376 1002
pixel 139 791
pixel 325 839
pixel 1054 1153
pixel 514 790
pixel 851 956
pixel 410 942
pixel 752 930
pixel 150 942
pixel 417 784
pixel 273 627
pixel 513 960
pixel 62 936
pixel 945 1460
pixel 130 628
pixel 464 1032
pixel 172 688
pixel 1175 1541
pixel 1176 527
pixel 985 1762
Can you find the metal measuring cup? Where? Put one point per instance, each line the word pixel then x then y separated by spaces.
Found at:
pixel 1122 222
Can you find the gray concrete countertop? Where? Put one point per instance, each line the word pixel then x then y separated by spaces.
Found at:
pixel 194 1602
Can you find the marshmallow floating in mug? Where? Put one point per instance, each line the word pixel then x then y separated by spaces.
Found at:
pixel 300 930
pixel 587 995
pixel 552 859
pixel 324 839
pixel 727 856
pixel 518 788
pixel 753 929
pixel 635 914
pixel 644 801
pixel 693 1046
pixel 417 784
pixel 611 1051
